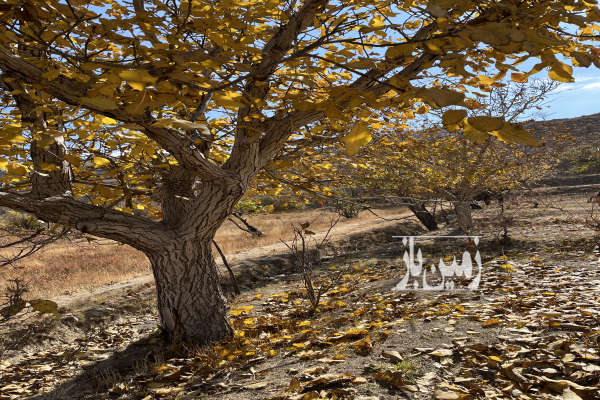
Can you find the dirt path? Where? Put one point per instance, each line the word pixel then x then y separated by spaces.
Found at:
pixel 75 301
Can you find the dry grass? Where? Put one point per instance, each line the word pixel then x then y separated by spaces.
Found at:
pixel 278 226
pixel 69 266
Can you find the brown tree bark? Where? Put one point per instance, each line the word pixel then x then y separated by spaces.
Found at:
pixel 423 215
pixel 46 183
pixel 191 303
pixel 464 215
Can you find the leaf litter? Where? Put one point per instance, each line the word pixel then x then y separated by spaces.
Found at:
pixel 532 331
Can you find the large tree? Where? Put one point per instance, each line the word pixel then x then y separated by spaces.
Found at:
pixel 145 121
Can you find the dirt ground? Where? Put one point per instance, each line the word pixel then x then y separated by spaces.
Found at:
pixel 530 331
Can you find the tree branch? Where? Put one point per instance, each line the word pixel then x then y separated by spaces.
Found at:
pixel 245 152
pixel 68 90
pixel 138 232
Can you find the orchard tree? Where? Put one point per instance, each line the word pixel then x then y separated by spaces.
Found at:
pixel 424 167
pixel 453 158
pixel 145 121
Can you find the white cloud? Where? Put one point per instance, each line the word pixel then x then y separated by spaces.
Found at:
pixel 579 85
pixel 563 88
pixel 591 86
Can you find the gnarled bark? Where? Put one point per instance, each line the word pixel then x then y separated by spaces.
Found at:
pixel 50 182
pixel 190 301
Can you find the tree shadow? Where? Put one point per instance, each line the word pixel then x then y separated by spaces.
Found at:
pixel 99 377
pixel 95 380
pixel 253 273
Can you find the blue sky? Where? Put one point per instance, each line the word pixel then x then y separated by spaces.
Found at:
pixel 581 97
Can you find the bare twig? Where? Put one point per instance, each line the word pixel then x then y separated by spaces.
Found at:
pixel 306 253
pixel 236 288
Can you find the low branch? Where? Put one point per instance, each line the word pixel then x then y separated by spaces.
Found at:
pixel 248 228
pixel 138 232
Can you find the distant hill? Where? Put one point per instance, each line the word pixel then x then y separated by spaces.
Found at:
pixel 579 158
pixel 586 128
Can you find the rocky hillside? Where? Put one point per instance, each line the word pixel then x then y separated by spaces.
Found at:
pixel 585 129
pixel 579 156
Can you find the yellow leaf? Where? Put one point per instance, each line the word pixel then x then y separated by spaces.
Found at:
pixel 490 322
pixel 137 75
pixel 441 353
pixel 228 99
pixel 51 74
pixel 358 137
pixel 486 80
pixel 363 347
pixel 422 109
pixel 399 50
pixel 558 75
pixel 14 168
pixel 139 86
pixel 582 59
pixel 108 121
pixel 241 310
pixel 514 133
pixel 100 102
pixel 377 22
pixel 519 77
pixel 486 124
pixel 475 135
pixel 182 124
pixel 453 117
pixel 441 97
pixel 100 162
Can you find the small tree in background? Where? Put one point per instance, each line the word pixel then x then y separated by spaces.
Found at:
pixel 459 157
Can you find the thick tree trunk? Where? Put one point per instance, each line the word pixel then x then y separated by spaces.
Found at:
pixel 190 301
pixel 191 304
pixel 464 216
pixel 423 215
